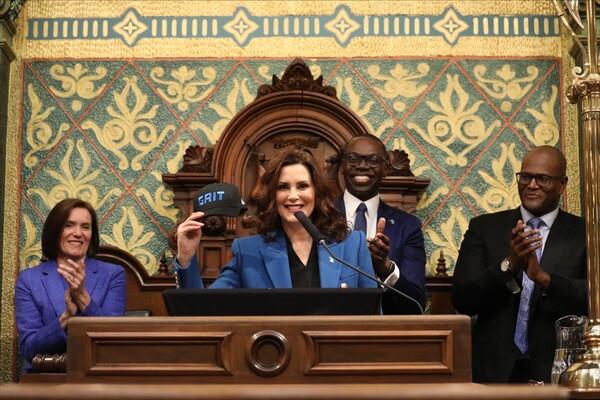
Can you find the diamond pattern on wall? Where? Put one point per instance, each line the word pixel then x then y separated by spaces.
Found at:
pixel 106 130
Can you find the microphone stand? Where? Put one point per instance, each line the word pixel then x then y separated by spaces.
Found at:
pixel 375 278
pixel 320 239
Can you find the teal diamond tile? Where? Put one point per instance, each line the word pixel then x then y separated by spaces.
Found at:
pixel 453 122
pixel 130 124
pixel 506 82
pixel 439 187
pixel 77 84
pixel 128 227
pixel 446 233
pixel 30 235
pixel 75 169
pixel 265 69
pixel 171 159
pixel 353 92
pixel 491 185
pixel 235 93
pixel 399 83
pixel 184 85
pixel 156 197
pixel 538 120
pixel 44 125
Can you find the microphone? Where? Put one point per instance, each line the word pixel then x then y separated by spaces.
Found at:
pixel 320 239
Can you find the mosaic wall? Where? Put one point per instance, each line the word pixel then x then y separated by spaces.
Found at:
pixel 106 102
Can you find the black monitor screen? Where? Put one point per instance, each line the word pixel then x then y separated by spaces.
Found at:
pixel 246 302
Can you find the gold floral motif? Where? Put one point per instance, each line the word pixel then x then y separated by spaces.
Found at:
pixel 507 86
pixel 501 194
pixel 227 112
pixel 264 71
pixel 39 132
pixel 455 123
pixel 399 83
pixel 175 160
pixel 180 91
pixel 427 199
pixel 130 126
pixel 32 248
pixel 77 82
pixel 68 185
pixel 446 240
pixel 345 84
pixel 162 201
pixel 137 244
pixel 547 131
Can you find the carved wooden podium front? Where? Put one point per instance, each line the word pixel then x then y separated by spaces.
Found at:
pixel 270 350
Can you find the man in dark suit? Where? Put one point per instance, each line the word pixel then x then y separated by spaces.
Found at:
pixel 518 271
pixel 394 237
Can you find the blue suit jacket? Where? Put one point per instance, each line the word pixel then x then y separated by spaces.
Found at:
pixel 260 264
pixel 40 300
pixel 407 250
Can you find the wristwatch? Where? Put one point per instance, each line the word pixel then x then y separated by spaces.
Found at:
pixel 505 266
pixel 509 276
pixel 506 270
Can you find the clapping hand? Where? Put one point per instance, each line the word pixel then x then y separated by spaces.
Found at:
pixel 379 247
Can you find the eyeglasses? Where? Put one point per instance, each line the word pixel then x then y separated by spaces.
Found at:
pixel 542 180
pixel 372 160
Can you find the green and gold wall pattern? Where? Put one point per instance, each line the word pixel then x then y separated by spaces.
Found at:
pixel 106 130
pixel 104 103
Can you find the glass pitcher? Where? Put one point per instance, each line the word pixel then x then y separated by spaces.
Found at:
pixel 570 331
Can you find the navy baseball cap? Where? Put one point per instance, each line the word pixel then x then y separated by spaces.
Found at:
pixel 219 199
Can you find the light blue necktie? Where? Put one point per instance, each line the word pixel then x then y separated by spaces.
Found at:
pixel 525 303
pixel 360 221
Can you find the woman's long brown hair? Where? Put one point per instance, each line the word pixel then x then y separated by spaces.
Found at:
pixel 328 219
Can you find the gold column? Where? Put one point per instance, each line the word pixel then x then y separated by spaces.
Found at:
pixel 585 88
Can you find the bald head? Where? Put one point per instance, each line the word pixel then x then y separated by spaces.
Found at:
pixel 363 138
pixel 543 179
pixel 555 158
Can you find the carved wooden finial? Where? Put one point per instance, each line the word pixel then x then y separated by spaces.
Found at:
pixel 297 76
pixel 197 159
pixel 163 267
pixel 441 269
pixel 399 164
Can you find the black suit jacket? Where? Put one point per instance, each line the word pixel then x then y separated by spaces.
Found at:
pixel 479 290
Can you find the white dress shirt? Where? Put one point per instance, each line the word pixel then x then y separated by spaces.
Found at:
pixel 351 203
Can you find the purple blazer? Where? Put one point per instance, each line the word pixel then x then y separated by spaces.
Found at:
pixel 40 300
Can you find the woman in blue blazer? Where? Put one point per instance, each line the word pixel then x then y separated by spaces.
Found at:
pixel 71 283
pixel 283 254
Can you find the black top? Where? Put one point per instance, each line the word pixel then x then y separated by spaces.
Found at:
pixel 304 276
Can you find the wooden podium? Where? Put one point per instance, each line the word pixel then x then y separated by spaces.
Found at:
pixel 266 350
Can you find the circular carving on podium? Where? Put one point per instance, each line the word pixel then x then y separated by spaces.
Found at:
pixel 268 353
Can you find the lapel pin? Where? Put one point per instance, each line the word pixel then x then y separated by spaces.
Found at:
pixel 392 221
pixel 330 259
